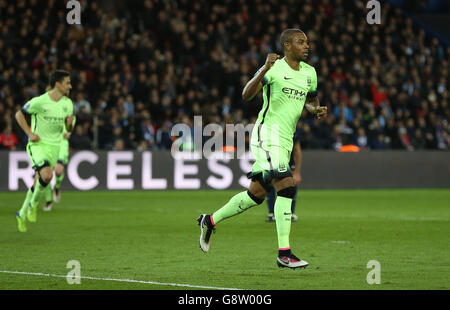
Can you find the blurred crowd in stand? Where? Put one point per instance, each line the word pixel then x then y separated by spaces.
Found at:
pixel 140 66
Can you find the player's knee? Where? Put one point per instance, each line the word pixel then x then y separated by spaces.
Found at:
pixel 45 180
pixel 256 198
pixel 59 171
pixel 288 192
pixel 257 190
pixel 45 177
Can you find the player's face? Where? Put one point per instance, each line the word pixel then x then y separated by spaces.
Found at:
pixel 299 46
pixel 65 86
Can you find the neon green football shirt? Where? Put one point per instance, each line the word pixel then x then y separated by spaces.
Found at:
pixel 284 95
pixel 48 117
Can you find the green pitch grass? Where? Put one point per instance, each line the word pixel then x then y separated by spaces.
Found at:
pixel 153 237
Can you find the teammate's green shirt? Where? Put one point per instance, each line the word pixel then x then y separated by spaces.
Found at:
pixel 48 117
pixel 284 94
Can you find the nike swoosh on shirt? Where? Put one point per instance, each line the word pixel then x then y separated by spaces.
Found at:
pixel 286 78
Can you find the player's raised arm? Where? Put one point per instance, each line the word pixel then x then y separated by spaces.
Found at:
pixel 254 85
pixel 20 118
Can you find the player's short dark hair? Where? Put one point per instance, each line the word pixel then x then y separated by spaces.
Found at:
pixel 57 76
pixel 286 36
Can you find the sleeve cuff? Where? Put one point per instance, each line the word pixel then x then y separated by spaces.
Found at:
pixel 312 94
pixel 264 81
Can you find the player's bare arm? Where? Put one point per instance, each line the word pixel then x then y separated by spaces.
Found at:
pixel 20 118
pixel 254 85
pixel 313 106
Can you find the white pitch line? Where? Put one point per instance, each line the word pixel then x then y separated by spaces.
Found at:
pixel 119 280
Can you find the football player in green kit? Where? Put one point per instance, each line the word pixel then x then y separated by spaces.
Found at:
pixel 50 113
pixel 288 85
pixel 63 159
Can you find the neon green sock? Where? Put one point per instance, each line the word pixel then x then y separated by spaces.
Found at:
pixel 237 204
pixel 38 191
pixel 283 220
pixel 59 181
pixel 48 194
pixel 23 210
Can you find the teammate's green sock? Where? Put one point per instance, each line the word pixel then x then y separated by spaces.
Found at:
pixel 38 191
pixel 48 194
pixel 283 221
pixel 237 204
pixel 23 210
pixel 37 194
pixel 59 180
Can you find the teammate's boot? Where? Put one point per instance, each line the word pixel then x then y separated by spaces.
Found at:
pixel 32 213
pixel 48 206
pixel 21 223
pixel 291 261
pixel 206 228
pixel 294 218
pixel 56 195
pixel 270 217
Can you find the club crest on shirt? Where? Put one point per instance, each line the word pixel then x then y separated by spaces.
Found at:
pixel 65 109
pixel 282 168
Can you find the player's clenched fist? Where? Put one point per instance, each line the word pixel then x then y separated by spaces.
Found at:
pixel 270 60
pixel 321 112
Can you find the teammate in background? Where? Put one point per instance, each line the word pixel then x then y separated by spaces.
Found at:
pixel 288 84
pixel 295 164
pixel 63 159
pixel 50 113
